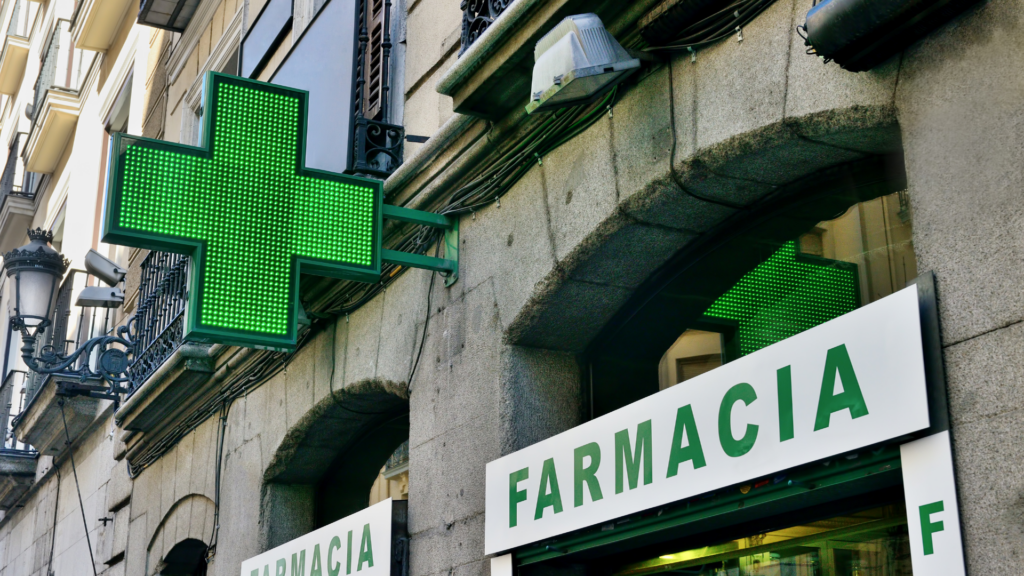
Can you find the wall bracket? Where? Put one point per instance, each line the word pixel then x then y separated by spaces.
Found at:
pixel 447 266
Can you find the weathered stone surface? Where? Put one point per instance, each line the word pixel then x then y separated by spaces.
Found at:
pixel 364 332
pixel 541 396
pixel 984 375
pixel 446 474
pixel 580 186
pixel 401 327
pixel 741 86
pixel 609 256
pixel 962 142
pixel 990 478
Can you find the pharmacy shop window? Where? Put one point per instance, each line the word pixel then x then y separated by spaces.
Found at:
pixel 871 542
pixel 823 257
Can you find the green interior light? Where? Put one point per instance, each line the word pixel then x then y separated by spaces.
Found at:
pixel 785 295
pixel 247 210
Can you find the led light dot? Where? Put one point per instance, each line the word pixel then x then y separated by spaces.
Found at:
pixel 784 296
pixel 250 206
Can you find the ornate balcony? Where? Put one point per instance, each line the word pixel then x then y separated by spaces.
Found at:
pixel 163 296
pixel 173 15
pixel 17 460
pixel 15 48
pixel 57 102
pixel 12 64
pixel 378 147
pixel 96 22
pixel 17 205
pixel 477 16
pixel 167 373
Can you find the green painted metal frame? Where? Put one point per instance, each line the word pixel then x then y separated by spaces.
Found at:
pixel 447 266
pixel 195 331
pixel 114 233
pixel 839 471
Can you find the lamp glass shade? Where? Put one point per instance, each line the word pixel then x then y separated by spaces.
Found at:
pixel 36 269
pixel 36 290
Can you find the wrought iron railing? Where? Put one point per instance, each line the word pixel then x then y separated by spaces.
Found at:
pixel 48 70
pixel 58 337
pixel 378 145
pixel 399 459
pixel 13 28
pixel 9 183
pixel 157 326
pixel 477 16
pixel 12 399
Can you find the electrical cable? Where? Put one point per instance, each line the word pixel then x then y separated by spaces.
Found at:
pixel 672 153
pixel 211 550
pixel 53 536
pixel 717 26
pixel 423 337
pixel 81 506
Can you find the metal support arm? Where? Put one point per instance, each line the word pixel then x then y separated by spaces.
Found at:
pixel 447 266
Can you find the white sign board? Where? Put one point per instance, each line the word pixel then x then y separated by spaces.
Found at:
pixel 849 383
pixel 357 545
pixel 933 516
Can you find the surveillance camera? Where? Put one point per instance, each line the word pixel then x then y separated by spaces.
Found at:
pixel 100 297
pixel 104 268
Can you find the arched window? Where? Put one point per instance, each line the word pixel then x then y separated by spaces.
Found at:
pixel 339 462
pixel 186 558
pixel 812 257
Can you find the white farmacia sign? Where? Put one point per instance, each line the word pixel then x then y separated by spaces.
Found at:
pixel 933 513
pixel 849 383
pixel 359 544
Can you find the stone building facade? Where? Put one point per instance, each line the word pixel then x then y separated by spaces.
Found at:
pixel 410 389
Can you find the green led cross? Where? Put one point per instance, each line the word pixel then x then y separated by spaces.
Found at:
pixel 247 210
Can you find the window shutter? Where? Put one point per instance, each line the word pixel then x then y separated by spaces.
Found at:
pixel 374 59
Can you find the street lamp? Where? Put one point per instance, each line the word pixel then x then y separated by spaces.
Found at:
pixel 37 270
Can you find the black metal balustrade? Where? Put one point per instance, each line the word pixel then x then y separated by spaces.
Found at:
pixel 477 16
pixel 58 336
pixel 398 460
pixel 13 28
pixel 48 71
pixel 9 184
pixel 157 326
pixel 378 145
pixel 12 399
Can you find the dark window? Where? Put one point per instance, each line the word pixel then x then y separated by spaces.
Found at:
pixel 819 258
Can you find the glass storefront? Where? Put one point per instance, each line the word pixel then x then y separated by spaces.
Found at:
pixel 836 266
pixel 804 264
pixel 874 542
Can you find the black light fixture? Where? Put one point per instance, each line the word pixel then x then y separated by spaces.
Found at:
pixel 37 270
pixel 861 34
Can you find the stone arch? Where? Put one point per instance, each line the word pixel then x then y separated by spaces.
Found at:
pixel 343 439
pixel 187 526
pixel 689 201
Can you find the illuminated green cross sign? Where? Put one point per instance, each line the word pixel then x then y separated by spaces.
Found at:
pixel 247 210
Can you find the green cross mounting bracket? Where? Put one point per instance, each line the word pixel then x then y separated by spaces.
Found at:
pixel 448 266
pixel 251 215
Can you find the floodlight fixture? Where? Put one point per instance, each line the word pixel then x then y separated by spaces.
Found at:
pixel 577 62
pixel 100 297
